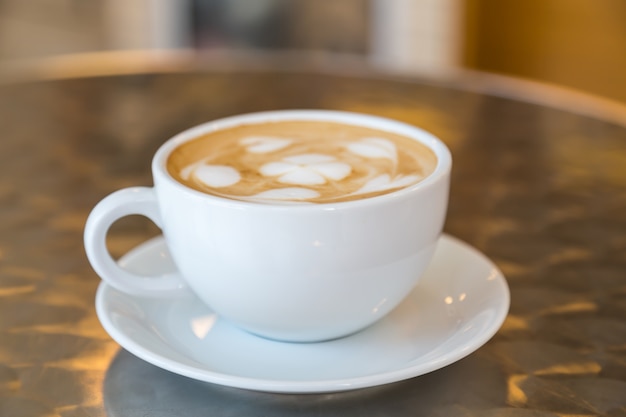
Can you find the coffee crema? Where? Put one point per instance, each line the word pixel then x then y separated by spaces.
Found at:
pixel 300 162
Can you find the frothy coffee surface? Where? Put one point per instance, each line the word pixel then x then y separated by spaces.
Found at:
pixel 300 162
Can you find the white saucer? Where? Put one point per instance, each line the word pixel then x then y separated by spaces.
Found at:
pixel 458 306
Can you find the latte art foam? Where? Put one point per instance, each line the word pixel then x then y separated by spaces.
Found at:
pixel 300 162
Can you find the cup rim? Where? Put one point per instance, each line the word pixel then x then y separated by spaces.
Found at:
pixel 442 169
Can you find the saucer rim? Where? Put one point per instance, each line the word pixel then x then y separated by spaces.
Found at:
pixel 291 386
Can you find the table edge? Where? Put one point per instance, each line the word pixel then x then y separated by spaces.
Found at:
pixel 135 62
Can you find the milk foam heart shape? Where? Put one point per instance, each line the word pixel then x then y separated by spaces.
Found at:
pixel 264 144
pixel 374 148
pixel 306 169
pixel 217 176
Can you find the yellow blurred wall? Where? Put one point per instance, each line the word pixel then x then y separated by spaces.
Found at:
pixel 576 43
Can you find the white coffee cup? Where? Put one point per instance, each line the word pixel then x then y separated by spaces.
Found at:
pixel 296 273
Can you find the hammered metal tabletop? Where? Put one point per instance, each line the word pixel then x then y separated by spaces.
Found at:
pixel 540 191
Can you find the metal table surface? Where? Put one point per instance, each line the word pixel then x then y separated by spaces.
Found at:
pixel 541 191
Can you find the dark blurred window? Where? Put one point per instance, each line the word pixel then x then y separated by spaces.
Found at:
pixel 337 26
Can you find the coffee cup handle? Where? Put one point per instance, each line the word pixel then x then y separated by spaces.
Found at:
pixel 125 202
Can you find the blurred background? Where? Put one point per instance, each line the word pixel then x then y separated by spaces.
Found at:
pixel 573 43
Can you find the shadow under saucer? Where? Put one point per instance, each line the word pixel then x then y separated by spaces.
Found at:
pixel 134 388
